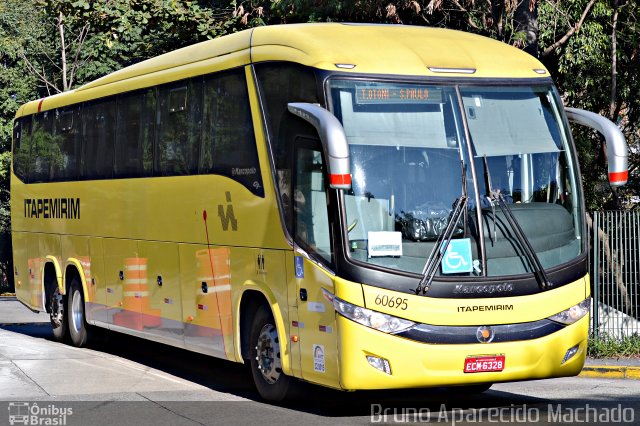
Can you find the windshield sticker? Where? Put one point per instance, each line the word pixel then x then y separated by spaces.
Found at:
pixel 457 259
pixel 318 358
pixel 384 243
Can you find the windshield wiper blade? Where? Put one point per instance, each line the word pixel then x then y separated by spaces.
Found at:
pixel 534 260
pixel 436 255
pixel 497 198
pixel 441 245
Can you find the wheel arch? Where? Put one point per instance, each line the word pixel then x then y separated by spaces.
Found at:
pixel 252 297
pixel 73 269
pixel 51 277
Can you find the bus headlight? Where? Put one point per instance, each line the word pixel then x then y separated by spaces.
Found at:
pixel 573 314
pixel 376 320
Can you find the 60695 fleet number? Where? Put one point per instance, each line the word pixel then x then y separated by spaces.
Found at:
pixel 392 302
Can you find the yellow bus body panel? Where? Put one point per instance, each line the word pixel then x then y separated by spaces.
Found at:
pixel 392 50
pixel 415 364
pixel 481 311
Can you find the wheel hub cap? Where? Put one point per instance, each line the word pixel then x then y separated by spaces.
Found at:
pixel 268 354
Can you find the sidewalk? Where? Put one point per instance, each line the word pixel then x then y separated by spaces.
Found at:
pixel 613 368
pixel 14 312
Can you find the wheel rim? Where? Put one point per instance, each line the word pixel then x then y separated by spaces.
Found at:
pixel 268 354
pixel 76 311
pixel 57 309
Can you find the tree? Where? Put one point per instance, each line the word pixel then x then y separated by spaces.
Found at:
pixel 17 28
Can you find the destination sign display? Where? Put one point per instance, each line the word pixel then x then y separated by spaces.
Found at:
pixel 398 94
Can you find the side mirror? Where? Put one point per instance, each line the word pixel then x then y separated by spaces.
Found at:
pixel 617 152
pixel 333 140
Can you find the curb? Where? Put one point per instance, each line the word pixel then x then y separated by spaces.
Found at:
pixel 611 372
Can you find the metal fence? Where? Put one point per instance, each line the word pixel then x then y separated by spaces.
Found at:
pixel 615 274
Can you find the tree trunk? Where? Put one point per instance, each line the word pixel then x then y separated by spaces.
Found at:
pixel 63 53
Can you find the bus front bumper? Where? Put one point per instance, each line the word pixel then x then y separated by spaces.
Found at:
pixel 415 364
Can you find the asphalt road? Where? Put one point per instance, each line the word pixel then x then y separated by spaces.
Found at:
pixel 125 380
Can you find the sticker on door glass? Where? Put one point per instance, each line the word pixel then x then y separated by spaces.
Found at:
pixel 318 358
pixel 299 264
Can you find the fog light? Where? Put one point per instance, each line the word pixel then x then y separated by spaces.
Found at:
pixel 570 353
pixel 379 363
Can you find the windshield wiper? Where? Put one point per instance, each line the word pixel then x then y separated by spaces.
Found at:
pixel 442 243
pixel 496 197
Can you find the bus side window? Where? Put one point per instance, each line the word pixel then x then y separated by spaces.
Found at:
pixel 22 147
pixel 179 122
pixel 229 145
pixel 134 134
pixel 311 219
pixel 279 84
pixel 44 153
pixel 67 138
pixel 98 140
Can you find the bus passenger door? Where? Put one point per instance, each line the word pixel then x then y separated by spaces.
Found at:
pixel 315 324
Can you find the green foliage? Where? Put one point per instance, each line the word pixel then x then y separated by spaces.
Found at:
pixel 582 69
pixel 605 346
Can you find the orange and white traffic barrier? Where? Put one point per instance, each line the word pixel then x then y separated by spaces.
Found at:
pixel 137 312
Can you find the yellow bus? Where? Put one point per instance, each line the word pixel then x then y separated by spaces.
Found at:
pixel 356 206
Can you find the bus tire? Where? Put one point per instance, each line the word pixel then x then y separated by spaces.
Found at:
pixel 58 314
pixel 266 366
pixel 75 314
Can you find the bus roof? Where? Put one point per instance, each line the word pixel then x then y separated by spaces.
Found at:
pixel 356 48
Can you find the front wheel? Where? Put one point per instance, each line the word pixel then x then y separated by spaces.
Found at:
pixel 265 358
pixel 77 321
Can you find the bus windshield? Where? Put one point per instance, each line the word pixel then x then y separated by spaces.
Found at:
pixel 416 149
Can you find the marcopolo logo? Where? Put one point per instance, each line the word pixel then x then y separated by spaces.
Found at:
pixel 25 413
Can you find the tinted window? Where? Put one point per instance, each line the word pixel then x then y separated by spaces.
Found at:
pixel 200 125
pixel 179 124
pixel 281 83
pixel 45 151
pixel 229 146
pixel 68 127
pixel 311 218
pixel 134 134
pixel 99 124
pixel 21 147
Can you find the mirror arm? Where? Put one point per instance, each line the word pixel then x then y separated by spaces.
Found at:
pixel 333 139
pixel 617 152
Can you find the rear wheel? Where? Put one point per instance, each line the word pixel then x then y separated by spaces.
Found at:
pixel 75 308
pixel 57 314
pixel 265 358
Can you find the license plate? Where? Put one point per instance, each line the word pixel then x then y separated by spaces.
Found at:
pixel 483 364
